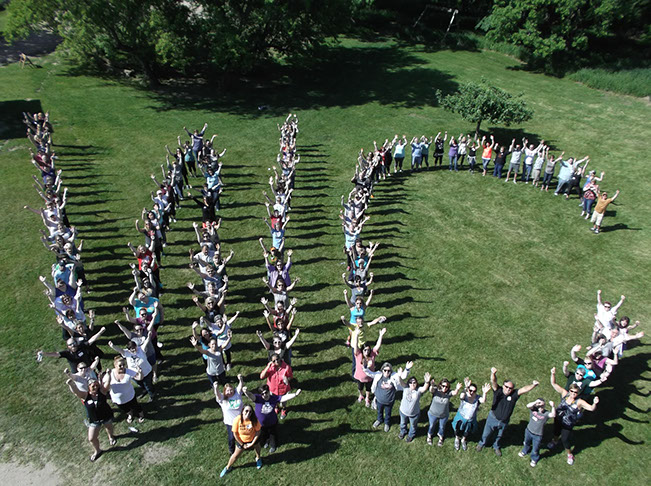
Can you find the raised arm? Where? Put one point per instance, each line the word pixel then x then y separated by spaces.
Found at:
pixel 494 379
pixel 557 387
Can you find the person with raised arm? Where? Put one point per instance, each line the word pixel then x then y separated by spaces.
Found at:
pixel 265 410
pixel 529 153
pixel 365 358
pixel 438 149
pixel 410 407
pixel 533 434
pixel 600 210
pixel 569 412
pixel 386 383
pixel 538 165
pixel 504 400
pixel 516 151
pixel 399 154
pixel 465 421
pixel 487 153
pixel 278 346
pixel 98 410
pixel 568 167
pixel 439 410
pixel 230 401
pixel 215 369
pixel 549 170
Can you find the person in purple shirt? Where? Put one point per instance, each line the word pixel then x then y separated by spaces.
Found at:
pixel 197 140
pixel 278 270
pixel 453 153
pixel 265 411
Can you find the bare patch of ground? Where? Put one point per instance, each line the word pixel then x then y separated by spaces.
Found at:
pixel 26 475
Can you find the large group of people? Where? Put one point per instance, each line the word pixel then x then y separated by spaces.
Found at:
pixel 607 344
pixel 254 425
pixel 528 163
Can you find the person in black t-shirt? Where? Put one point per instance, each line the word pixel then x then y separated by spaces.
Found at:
pixel 75 354
pixel 504 400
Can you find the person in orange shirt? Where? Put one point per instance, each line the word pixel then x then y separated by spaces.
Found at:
pixel 246 430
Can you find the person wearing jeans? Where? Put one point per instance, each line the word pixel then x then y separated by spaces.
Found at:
pixel 439 410
pixel 533 434
pixel 385 384
pixel 410 407
pixel 504 400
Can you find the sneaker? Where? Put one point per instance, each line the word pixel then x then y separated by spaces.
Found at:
pixel 409 439
pixel 555 194
pixel 457 443
pixel 479 447
pixel 498 452
pixel 522 454
pixel 283 414
pixel 401 435
pixel 596 232
pixel 551 444
pixel 440 442
pixel 533 463
pixel 464 444
pixel 570 459
pixel 272 449
pixel 360 399
pixel 258 463
pixel 514 181
pixel 376 424
pixel 387 427
pixel 368 403
pixel 429 440
pixel 224 472
pixel 228 367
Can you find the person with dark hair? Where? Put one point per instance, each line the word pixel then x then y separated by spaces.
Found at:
pixel 569 412
pixel 465 421
pixel 365 358
pixel 99 413
pixel 215 368
pixel 386 383
pixel 410 406
pixel 439 410
pixel 533 434
pixel 265 411
pixel 246 431
pixel 504 400
pixel 600 210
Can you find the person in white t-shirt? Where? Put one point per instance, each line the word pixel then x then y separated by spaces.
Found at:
pixel 231 403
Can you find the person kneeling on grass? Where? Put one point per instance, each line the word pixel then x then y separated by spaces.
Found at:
pixel 533 434
pixel 246 430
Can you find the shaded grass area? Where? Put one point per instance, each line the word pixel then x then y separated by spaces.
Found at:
pixel 471 273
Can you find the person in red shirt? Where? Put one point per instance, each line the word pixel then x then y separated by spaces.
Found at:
pixel 278 373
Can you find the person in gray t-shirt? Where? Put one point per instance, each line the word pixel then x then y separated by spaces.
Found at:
pixel 410 406
pixel 533 434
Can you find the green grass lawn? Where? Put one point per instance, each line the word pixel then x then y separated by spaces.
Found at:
pixel 471 272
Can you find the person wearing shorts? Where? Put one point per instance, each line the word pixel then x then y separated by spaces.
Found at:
pixel 246 430
pixel 600 210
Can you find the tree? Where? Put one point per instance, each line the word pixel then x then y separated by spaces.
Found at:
pixel 145 35
pixel 553 32
pixel 478 102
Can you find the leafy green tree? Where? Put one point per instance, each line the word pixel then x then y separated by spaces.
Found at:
pixel 553 32
pixel 481 102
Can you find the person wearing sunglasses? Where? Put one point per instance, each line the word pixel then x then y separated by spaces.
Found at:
pixel 569 412
pixel 410 406
pixel 504 400
pixel 385 385
pixel 439 410
pixel 246 431
pixel 465 421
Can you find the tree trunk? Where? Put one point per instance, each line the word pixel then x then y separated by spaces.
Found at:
pixel 477 129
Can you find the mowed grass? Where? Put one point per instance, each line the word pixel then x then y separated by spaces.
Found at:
pixel 471 272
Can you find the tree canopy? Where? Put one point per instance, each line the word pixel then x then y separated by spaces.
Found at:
pixel 552 32
pixel 478 102
pixel 157 36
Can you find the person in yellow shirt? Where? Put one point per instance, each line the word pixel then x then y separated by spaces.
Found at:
pixel 246 430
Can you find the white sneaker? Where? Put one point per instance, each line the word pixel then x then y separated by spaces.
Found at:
pixel 533 463
pixel 522 454
pixel 570 459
